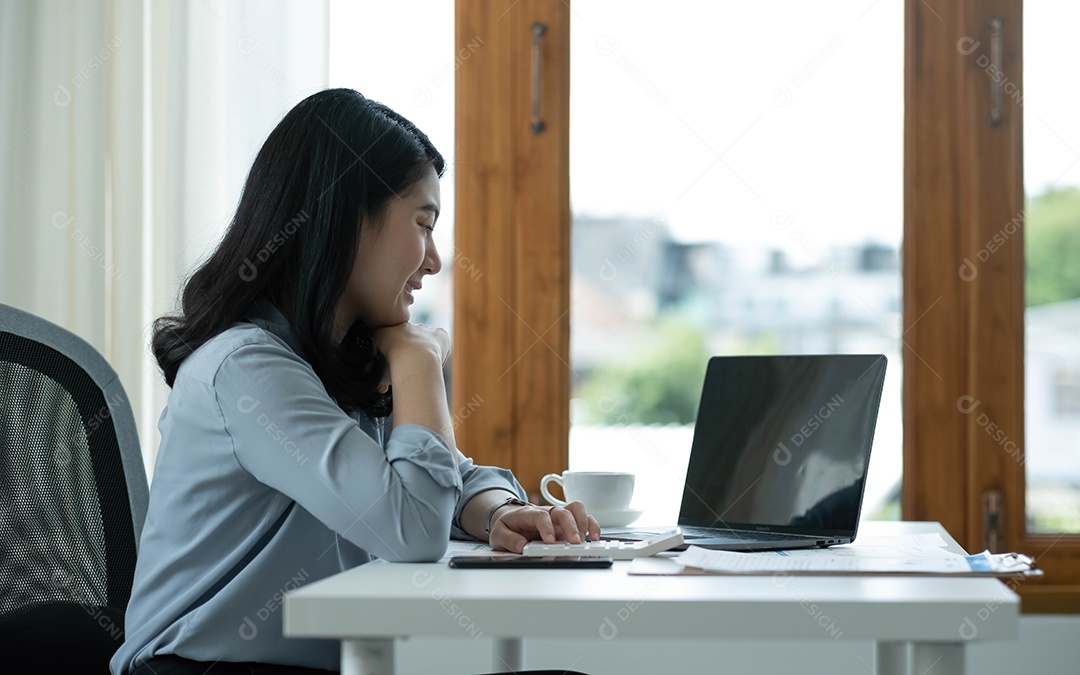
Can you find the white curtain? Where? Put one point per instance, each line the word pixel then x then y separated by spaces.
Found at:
pixel 126 131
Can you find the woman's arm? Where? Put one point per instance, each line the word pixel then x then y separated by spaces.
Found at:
pixel 416 354
pixel 394 502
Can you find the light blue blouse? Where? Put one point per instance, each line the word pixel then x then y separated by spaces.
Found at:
pixel 262 485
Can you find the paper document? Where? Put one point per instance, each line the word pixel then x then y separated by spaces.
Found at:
pixel 827 562
pixel 851 551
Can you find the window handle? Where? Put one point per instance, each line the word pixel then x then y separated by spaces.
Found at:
pixel 993 515
pixel 997 63
pixel 536 125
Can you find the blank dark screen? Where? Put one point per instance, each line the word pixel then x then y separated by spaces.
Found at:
pixel 783 441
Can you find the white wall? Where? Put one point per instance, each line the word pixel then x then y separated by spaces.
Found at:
pixel 1047 645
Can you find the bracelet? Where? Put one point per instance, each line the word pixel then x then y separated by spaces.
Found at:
pixel 506 502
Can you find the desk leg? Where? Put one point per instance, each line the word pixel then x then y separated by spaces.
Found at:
pixel 367 657
pixel 891 658
pixel 940 658
pixel 509 655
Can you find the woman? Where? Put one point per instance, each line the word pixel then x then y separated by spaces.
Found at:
pixel 279 464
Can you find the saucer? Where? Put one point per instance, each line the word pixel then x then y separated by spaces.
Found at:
pixel 616 518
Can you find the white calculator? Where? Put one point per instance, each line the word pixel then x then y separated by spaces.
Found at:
pixel 616 550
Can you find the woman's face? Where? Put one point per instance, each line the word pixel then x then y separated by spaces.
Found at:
pixel 393 257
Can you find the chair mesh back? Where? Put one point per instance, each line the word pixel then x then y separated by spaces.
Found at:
pixel 65 522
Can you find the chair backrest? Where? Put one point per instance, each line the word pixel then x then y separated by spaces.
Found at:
pixel 73 490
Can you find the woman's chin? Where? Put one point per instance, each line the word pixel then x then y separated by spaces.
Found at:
pixel 399 317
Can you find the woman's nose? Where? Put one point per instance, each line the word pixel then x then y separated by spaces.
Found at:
pixel 433 263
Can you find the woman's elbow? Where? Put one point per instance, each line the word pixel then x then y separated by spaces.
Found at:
pixel 426 544
pixel 424 551
pixel 425 536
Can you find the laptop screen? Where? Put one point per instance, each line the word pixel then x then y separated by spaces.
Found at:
pixel 782 443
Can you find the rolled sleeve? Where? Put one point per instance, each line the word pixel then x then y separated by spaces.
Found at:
pixel 422 447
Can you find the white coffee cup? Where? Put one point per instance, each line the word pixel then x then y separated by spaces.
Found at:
pixel 599 491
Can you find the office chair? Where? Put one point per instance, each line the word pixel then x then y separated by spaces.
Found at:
pixel 73 496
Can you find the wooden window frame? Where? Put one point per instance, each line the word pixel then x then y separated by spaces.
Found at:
pixel 511 371
pixel 963 269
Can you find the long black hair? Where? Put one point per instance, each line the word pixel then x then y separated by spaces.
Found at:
pixel 329 168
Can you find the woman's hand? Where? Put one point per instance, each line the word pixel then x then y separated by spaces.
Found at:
pixel 515 526
pixel 415 355
pixel 400 339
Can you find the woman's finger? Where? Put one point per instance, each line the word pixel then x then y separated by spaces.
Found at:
pixel 594 529
pixel 584 525
pixel 564 520
pixel 504 538
pixel 543 524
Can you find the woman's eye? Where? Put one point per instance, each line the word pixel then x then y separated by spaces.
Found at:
pixel 429 228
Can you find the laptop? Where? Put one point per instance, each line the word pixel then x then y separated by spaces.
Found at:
pixel 780 453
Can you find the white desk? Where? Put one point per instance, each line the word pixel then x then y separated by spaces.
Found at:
pixel 916 623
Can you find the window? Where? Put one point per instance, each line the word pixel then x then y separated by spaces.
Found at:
pixel 966 462
pixel 962 336
pixel 1052 284
pixel 756 209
